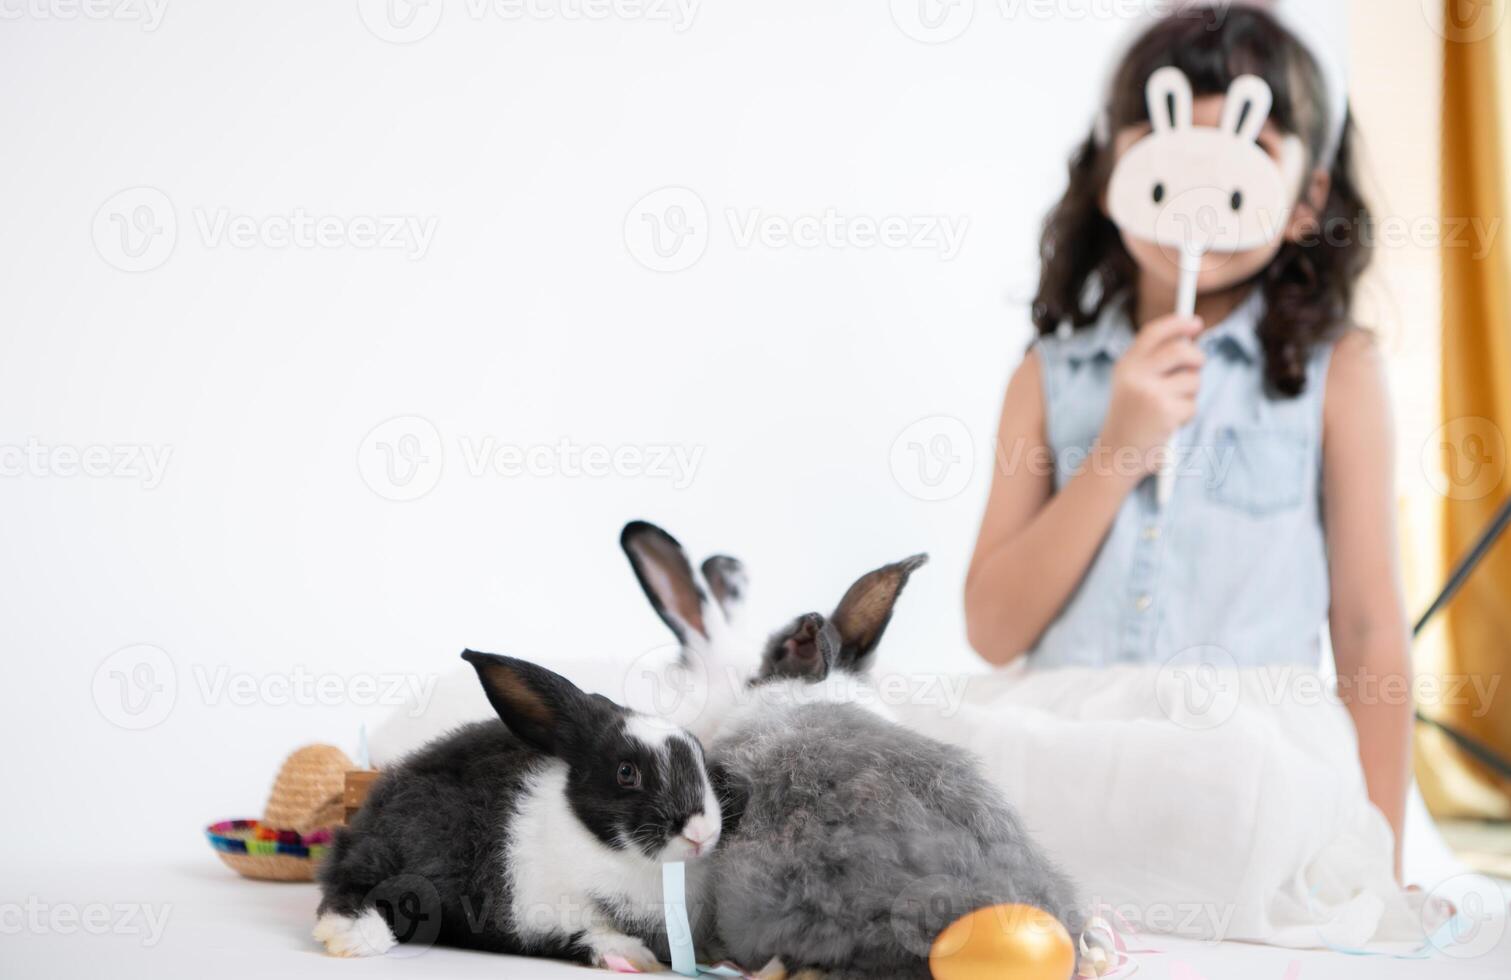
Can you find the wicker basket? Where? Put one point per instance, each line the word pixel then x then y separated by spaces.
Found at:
pixel 294 832
pixel 254 850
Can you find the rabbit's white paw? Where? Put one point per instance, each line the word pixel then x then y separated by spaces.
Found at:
pixel 622 954
pixel 363 935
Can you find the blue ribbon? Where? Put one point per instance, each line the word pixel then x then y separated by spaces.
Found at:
pixel 679 933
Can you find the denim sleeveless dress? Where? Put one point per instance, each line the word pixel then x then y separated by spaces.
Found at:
pixel 1233 570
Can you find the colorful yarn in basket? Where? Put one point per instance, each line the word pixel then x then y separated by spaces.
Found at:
pixel 252 837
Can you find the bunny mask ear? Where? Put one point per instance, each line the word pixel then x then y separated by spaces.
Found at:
pixel 862 615
pixel 1168 93
pixel 1248 105
pixel 667 578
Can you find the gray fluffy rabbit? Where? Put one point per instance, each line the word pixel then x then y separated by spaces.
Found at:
pixel 850 841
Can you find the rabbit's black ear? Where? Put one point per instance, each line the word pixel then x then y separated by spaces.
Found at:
pixel 805 648
pixel 862 615
pixel 667 578
pixel 727 580
pixel 538 705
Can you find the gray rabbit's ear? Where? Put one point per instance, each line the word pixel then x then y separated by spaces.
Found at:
pixel 667 578
pixel 540 706
pixel 806 648
pixel 862 615
pixel 727 580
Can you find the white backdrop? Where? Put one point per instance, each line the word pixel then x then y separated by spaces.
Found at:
pixel 239 238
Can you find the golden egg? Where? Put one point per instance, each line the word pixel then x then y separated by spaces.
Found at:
pixel 1003 942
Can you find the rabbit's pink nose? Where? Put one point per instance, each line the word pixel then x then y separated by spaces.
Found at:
pixel 702 833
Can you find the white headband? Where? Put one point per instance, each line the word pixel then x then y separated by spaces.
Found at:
pixel 1320 25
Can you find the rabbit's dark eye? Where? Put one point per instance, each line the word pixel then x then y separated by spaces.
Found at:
pixel 629 775
pixel 1237 201
pixel 1159 193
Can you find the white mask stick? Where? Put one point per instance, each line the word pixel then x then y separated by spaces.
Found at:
pixel 1203 190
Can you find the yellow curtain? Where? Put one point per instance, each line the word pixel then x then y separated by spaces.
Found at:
pixel 1476 176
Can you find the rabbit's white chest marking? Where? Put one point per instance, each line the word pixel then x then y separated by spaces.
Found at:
pixel 561 873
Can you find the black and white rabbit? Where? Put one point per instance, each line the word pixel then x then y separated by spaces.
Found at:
pixel 850 842
pixel 540 833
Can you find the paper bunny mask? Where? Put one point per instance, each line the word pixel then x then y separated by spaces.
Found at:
pixel 1203 189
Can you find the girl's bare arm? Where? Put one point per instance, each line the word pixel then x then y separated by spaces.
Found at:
pixel 1368 617
pixel 1035 544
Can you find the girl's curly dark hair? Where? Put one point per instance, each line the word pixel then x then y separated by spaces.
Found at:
pixel 1309 286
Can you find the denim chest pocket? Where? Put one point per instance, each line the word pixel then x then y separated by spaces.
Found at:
pixel 1260 471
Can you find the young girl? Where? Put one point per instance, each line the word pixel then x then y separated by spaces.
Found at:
pixel 1282 512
